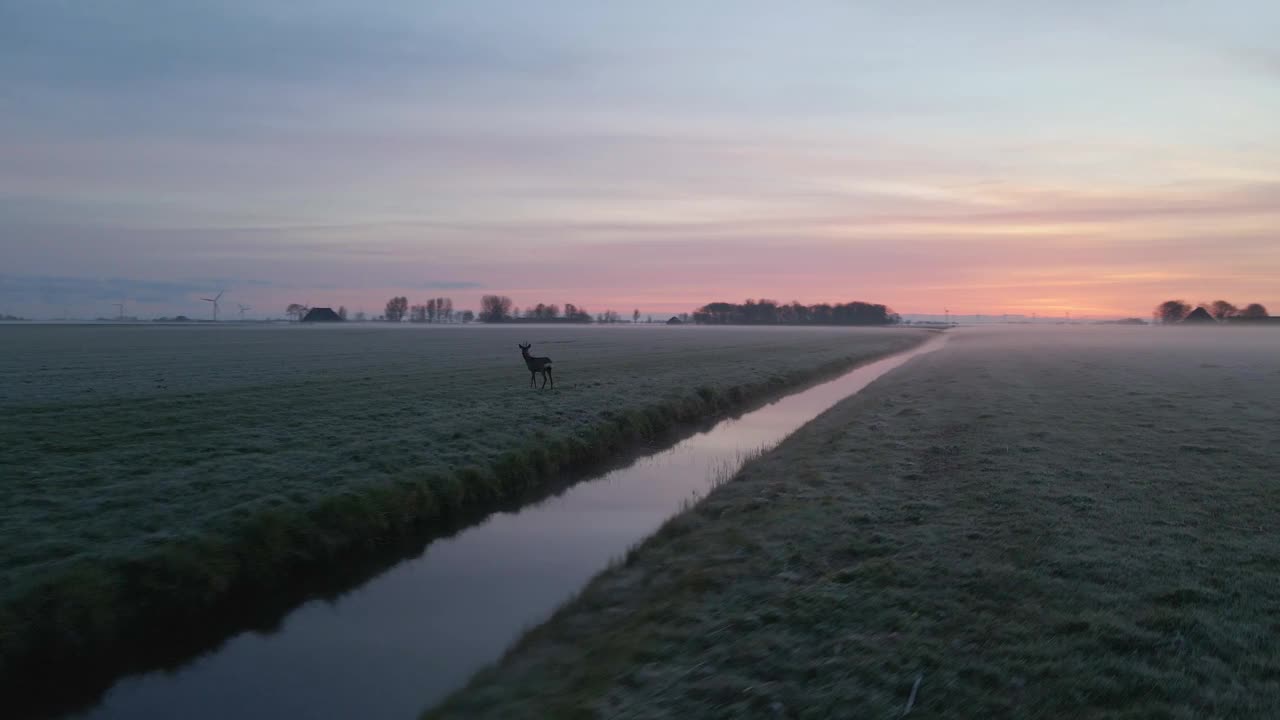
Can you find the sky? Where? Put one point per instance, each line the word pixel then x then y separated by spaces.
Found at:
pixel 1091 157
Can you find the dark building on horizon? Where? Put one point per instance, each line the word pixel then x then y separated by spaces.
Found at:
pixel 322 315
pixel 1199 315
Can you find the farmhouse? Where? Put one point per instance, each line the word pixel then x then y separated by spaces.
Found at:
pixel 1199 315
pixel 674 321
pixel 322 315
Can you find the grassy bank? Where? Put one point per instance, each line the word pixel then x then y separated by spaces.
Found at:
pixel 1070 523
pixel 138 504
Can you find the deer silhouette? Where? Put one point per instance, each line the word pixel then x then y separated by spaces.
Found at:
pixel 537 365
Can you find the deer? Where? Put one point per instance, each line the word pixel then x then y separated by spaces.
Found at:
pixel 537 365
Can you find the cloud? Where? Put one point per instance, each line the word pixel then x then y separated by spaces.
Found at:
pixel 55 290
pixel 58 290
pixel 116 46
pixel 451 285
pixel 219 68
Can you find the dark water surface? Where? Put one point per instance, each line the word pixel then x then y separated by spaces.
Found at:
pixel 408 637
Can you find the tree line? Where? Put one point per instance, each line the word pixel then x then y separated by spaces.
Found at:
pixel 434 310
pixel 771 312
pixel 551 313
pixel 1172 311
pixel 500 308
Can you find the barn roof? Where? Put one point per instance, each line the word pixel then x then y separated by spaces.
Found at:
pixel 322 314
pixel 1199 315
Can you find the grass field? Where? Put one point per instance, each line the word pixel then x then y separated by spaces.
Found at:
pixel 152 473
pixel 1077 522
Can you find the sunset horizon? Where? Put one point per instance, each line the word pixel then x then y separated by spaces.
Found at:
pixel 991 160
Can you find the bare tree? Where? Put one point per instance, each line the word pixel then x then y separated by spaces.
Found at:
pixel 1171 311
pixel 296 311
pixel 448 310
pixel 1221 309
pixel 342 311
pixel 576 313
pixel 468 316
pixel 396 309
pixel 360 316
pixel 495 308
pixel 418 314
pixel 635 315
pixel 430 315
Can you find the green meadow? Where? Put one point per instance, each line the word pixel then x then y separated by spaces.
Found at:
pixel 153 476
pixel 1042 523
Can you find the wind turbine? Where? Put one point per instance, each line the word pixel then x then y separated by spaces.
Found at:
pixel 215 300
pixel 243 308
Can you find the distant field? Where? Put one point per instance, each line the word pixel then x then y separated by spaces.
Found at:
pixel 1074 522
pixel 170 464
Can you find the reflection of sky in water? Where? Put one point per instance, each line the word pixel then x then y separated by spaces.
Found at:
pixel 418 631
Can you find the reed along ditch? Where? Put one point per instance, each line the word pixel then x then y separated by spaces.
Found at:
pixel 406 638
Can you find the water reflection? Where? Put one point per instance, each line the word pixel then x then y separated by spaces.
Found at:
pixel 418 631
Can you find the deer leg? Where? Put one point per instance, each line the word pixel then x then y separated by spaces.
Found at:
pixel 544 380
pixel 533 378
pixel 552 378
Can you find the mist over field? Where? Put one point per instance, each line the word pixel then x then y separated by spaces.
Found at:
pixel 1242 353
